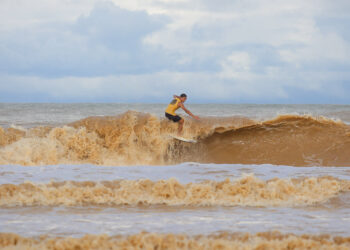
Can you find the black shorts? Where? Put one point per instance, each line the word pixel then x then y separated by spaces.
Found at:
pixel 174 118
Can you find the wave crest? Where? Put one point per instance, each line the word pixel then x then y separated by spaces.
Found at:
pixel 266 240
pixel 135 138
pixel 246 191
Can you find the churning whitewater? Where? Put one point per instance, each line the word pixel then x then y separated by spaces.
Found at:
pixel 246 191
pixel 136 138
pixel 172 241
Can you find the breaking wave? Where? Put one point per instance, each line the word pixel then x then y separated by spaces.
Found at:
pixel 245 191
pixel 135 138
pixel 266 240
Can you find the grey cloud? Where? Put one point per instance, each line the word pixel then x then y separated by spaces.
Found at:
pixel 207 5
pixel 335 24
pixel 117 28
pixel 108 41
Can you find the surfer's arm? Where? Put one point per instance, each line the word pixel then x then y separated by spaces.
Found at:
pixel 176 96
pixel 188 112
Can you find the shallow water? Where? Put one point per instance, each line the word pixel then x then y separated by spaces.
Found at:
pixel 184 173
pixel 78 221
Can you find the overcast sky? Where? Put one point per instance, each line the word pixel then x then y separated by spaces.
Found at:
pixel 226 51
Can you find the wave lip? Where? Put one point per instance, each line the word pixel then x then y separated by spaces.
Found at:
pixel 266 240
pixel 135 138
pixel 245 191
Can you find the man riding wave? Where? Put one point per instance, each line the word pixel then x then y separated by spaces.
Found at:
pixel 176 103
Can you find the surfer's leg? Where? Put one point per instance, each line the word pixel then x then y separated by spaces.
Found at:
pixel 181 125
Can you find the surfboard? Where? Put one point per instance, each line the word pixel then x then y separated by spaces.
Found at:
pixel 183 139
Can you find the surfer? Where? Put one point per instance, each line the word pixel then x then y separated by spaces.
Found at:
pixel 176 103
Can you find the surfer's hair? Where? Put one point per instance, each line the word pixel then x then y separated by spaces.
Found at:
pixel 183 95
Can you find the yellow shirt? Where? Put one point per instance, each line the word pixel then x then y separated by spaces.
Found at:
pixel 173 106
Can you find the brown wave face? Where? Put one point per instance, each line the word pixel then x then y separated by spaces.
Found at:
pixel 246 191
pixel 266 240
pixel 135 138
pixel 286 140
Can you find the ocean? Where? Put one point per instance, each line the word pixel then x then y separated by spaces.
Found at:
pixel 89 176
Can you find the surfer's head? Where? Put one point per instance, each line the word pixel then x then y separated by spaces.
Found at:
pixel 183 97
